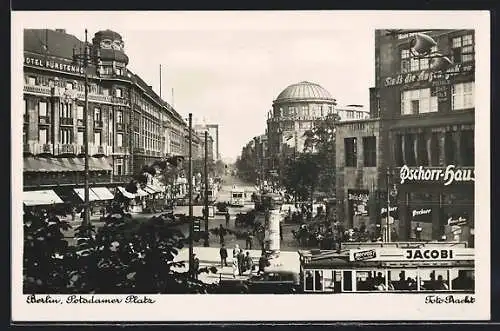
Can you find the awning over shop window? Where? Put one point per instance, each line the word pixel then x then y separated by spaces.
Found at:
pixel 40 198
pixel 154 188
pixel 52 164
pixel 125 193
pixel 141 193
pixel 81 194
pixel 149 190
pixel 103 193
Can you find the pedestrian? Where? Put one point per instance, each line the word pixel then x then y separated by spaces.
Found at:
pixel 248 263
pixel 228 217
pixel 223 256
pixel 236 250
pixel 241 262
pixel 222 232
pixel 249 240
pixel 196 266
pixel 262 262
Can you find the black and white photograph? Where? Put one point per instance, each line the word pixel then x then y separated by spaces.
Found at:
pixel 295 160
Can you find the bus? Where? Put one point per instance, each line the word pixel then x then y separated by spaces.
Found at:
pixel 433 267
pixel 237 198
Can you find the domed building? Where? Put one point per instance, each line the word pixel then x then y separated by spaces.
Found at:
pixel 294 112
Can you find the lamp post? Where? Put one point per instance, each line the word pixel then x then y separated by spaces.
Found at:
pixel 390 192
pixel 190 193
pixel 84 59
pixel 206 244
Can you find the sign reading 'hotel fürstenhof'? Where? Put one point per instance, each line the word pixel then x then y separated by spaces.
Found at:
pixel 450 174
pixel 47 63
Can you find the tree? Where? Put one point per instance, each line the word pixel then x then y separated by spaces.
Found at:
pixel 301 174
pixel 246 163
pixel 321 141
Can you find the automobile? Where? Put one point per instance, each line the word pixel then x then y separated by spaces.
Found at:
pixel 269 282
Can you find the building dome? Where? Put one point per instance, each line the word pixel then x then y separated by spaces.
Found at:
pixel 304 91
pixel 110 45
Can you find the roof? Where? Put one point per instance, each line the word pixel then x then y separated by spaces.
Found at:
pixel 51 42
pixel 304 91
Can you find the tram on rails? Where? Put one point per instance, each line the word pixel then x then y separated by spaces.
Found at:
pixel 402 267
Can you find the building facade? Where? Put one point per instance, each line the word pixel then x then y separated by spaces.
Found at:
pixel 352 112
pixel 294 112
pixel 426 134
pixel 129 125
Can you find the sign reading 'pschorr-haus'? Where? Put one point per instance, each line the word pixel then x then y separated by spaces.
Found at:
pixel 448 175
pixel 51 64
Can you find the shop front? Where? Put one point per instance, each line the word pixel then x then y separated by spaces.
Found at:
pixel 435 204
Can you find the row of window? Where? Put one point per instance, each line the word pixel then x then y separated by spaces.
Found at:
pixel 71 85
pixel 420 101
pixel 369 151
pixel 66 136
pixel 424 149
pixel 462 52
pixel 304 110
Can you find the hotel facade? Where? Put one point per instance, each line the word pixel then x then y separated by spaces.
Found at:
pixel 129 125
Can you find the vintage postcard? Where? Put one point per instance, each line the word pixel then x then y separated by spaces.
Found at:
pixel 250 166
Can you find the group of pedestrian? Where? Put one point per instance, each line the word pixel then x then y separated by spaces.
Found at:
pixel 241 262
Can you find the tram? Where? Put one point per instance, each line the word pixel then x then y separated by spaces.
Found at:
pixel 402 267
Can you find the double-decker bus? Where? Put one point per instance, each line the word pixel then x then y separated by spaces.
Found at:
pixel 403 267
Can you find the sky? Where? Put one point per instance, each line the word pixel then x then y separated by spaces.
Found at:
pixel 228 69
pixel 232 77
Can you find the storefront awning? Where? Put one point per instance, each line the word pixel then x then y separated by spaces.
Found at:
pixel 126 193
pixel 103 193
pixel 154 188
pixel 40 198
pixel 52 164
pixel 149 190
pixel 141 193
pixel 81 194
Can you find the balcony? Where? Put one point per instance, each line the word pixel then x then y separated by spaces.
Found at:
pixel 97 124
pixel 139 150
pixel 66 121
pixel 38 148
pixel 65 149
pixel 37 89
pixel 120 150
pixel 43 120
pixel 100 150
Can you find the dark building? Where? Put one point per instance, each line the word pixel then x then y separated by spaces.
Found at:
pixel 129 125
pixel 426 144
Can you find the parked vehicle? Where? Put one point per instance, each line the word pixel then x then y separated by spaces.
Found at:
pixel 270 282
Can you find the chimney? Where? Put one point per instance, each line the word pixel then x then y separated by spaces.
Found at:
pixel 61 30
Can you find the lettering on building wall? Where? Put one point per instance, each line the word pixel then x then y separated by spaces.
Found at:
pixel 51 64
pixel 428 76
pixel 448 175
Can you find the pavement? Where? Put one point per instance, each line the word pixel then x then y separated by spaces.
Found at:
pixel 209 256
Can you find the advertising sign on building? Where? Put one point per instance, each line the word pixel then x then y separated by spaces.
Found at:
pixel 414 254
pixel 48 63
pixel 428 76
pixel 447 176
pixel 358 206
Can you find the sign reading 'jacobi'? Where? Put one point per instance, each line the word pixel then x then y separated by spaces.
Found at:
pixel 412 254
pixel 448 175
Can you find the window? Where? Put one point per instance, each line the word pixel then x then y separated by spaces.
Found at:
pixel 450 147
pixel 422 157
pixel 398 150
pixel 370 151
pixel 31 80
pixel 105 91
pixel 25 107
pixel 403 280
pixel 462 96
pixel 415 102
pixel 463 48
pixel 69 86
pixel 42 135
pixel 42 108
pixel 79 137
pixel 467 147
pixel 373 280
pixel 405 56
pixel 66 136
pixel 97 138
pixel 97 114
pixel 119 140
pixel 119 116
pixel 79 112
pixel 351 152
pixel 409 150
pixel 118 92
pixel 65 111
pixel 462 279
pixel 435 150
pixel 434 280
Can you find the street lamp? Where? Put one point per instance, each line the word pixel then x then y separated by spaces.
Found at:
pixel 206 244
pixel 390 192
pixel 85 59
pixel 190 198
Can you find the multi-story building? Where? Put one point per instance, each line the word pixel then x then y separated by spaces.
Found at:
pixel 129 125
pixel 295 111
pixel 352 112
pixel 425 147
pixel 213 132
